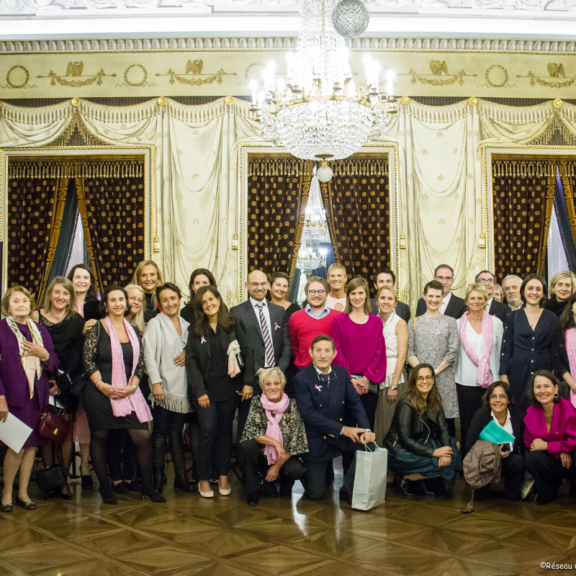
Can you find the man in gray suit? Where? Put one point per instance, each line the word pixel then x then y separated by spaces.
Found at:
pixel 386 277
pixel 266 332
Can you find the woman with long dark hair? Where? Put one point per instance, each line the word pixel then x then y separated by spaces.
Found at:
pixel 216 384
pixel 199 277
pixel 532 341
pixel 419 444
pixel 65 326
pixel 114 362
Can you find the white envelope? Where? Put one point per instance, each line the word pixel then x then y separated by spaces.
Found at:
pixel 14 432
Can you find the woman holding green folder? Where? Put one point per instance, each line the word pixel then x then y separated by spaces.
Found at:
pixel 498 411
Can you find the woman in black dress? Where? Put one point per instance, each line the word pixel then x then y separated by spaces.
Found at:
pixel 532 341
pixel 114 361
pixel 216 384
pixel 66 329
pixel 148 276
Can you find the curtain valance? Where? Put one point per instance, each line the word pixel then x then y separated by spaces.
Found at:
pixel 76 168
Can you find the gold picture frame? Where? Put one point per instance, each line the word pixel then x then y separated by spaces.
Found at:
pixel 146 151
pixel 391 149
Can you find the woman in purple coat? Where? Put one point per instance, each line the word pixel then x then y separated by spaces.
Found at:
pixel 27 363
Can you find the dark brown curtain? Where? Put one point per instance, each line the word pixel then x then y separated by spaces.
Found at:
pixel 568 175
pixel 278 188
pixel 523 198
pixel 35 207
pixel 112 211
pixel 357 204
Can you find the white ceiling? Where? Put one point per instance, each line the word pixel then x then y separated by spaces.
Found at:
pixel 553 20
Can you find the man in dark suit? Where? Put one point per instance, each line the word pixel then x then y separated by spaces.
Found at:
pixel 493 307
pixel 266 332
pixel 451 305
pixel 324 393
pixel 385 277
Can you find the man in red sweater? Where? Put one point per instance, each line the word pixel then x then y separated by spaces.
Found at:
pixel 314 320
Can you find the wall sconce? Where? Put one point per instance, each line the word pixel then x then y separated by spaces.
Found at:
pixel 156 245
pixel 402 241
pixel 235 241
pixel 482 240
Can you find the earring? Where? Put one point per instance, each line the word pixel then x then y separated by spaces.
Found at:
pixel 556 396
pixel 127 308
pixel 106 311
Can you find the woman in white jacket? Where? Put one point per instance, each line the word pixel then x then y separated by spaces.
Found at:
pixel 164 343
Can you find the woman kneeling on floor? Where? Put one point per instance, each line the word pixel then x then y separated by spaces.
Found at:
pixel 419 445
pixel 273 436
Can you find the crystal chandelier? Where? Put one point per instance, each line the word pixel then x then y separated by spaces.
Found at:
pixel 317 113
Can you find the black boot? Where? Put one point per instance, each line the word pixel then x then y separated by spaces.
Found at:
pixel 177 451
pixel 159 443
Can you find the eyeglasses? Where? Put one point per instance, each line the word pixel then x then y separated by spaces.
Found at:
pixel 497 396
pixel 316 292
pixel 446 278
pixel 425 378
pixel 485 280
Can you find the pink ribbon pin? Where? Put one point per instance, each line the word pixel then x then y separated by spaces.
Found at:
pixel 276 326
pixel 319 388
pixel 437 331
pixel 202 340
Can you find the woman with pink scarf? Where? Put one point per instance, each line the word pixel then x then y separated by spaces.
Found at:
pixel 114 361
pixel 479 358
pixel 273 437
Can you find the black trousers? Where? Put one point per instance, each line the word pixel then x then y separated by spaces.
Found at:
pixel 469 400
pixel 548 472
pixel 215 447
pixel 121 456
pixel 255 466
pixel 513 469
pixel 316 482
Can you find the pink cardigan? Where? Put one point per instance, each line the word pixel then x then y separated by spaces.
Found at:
pixel 562 435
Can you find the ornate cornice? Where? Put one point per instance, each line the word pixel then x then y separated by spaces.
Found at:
pixel 285 43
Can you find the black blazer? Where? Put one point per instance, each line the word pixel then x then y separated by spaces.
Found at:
pixel 323 409
pixel 410 430
pixel 455 309
pixel 280 335
pixel 403 310
pixel 499 310
pixel 198 360
pixel 482 419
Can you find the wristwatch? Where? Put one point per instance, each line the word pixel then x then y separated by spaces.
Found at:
pixel 393 387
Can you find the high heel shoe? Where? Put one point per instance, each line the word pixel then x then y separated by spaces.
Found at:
pixel 154 495
pixel 108 497
pixel 182 483
pixel 67 494
pixel 26 505
pixel 224 491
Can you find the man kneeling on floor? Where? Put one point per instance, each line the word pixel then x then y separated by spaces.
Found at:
pixel 323 394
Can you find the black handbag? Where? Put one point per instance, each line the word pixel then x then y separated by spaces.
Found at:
pixel 51 478
pixel 78 384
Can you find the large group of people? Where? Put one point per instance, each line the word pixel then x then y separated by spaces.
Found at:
pixel 138 373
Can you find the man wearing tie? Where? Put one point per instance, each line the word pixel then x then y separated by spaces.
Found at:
pixel 266 332
pixel 493 307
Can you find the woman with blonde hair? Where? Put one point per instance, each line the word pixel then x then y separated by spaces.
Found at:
pixel 562 286
pixel 65 326
pixel 396 340
pixel 148 276
pixel 136 297
pixel 479 356
pixel 359 339
pixel 27 364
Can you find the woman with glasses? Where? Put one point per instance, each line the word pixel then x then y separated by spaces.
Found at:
pixel 497 407
pixel 419 444
pixel 479 357
pixel 532 341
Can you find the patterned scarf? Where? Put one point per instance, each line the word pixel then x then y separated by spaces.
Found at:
pixel 484 374
pixel 274 412
pixel 570 336
pixel 134 402
pixel 31 364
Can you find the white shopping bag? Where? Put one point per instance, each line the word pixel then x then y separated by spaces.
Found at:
pixel 370 479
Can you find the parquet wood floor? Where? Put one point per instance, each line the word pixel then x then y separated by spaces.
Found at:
pixel 190 536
